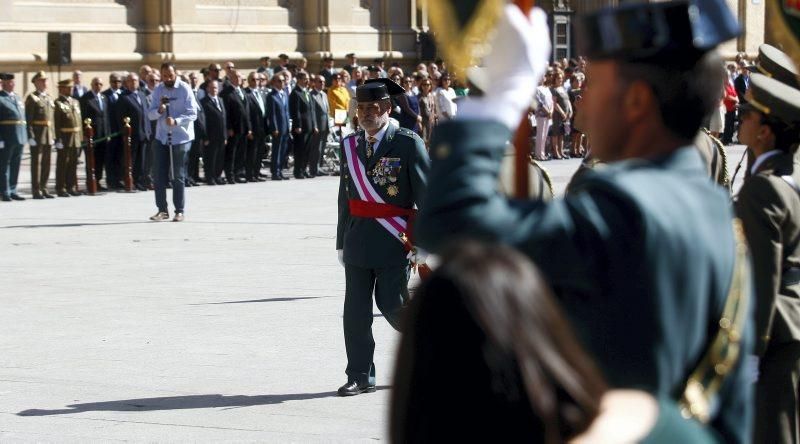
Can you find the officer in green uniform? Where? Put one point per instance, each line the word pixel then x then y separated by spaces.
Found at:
pixel 769 206
pixel 39 114
pixel 12 138
pixel 382 179
pixel 69 133
pixel 642 252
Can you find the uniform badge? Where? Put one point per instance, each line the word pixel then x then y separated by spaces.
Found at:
pixel 386 170
pixel 392 190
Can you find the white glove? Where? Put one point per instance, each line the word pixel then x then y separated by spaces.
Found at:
pixel 340 253
pixel 518 60
pixel 417 256
pixel 59 145
pixel 2 144
pixel 31 142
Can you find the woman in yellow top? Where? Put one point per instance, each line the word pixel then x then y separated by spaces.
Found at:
pixel 338 96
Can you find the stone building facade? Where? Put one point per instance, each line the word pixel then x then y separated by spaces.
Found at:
pixel 112 35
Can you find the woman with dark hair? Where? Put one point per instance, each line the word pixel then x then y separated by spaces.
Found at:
pixel 769 206
pixel 427 109
pixel 487 356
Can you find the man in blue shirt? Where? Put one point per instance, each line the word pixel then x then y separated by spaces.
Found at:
pixel 174 109
pixel 12 138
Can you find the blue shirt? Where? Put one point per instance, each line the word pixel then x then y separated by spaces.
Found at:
pixel 182 108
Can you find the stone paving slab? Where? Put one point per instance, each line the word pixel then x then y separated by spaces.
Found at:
pixel 226 327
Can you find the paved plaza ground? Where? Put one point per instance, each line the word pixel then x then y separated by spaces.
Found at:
pixel 226 327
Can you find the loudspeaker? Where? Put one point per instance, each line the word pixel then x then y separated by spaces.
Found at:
pixel 427 46
pixel 59 48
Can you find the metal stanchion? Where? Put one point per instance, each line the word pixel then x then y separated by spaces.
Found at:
pixel 128 178
pixel 91 183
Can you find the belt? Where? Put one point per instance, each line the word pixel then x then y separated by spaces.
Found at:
pixel 12 122
pixel 361 208
pixel 41 123
pixel 70 130
pixel 790 276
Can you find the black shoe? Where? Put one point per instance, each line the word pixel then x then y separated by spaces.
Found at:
pixel 211 182
pixel 63 194
pixel 231 182
pixel 17 197
pixel 241 180
pixel 141 187
pixel 299 176
pixel 74 193
pixel 260 179
pixel 353 388
pixel 277 178
pixel 101 188
pixel 307 175
pixel 38 196
pixel 219 181
pixel 48 195
pixel 321 173
pixel 6 198
pixel 284 177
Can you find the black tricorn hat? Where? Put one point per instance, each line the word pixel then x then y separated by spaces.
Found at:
pixel 675 33
pixel 773 99
pixel 6 76
pixel 774 63
pixel 374 90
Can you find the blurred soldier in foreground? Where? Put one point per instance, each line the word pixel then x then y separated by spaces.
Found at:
pixel 69 135
pixel 12 138
pixel 642 254
pixel 39 114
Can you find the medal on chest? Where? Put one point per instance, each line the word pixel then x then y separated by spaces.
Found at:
pixel 385 174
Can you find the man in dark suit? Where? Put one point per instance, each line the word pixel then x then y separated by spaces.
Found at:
pixel 133 103
pixel 113 158
pixel 94 105
pixel 642 254
pixel 193 169
pixel 742 82
pixel 383 172
pixel 239 130
pixel 78 88
pixel 216 134
pixel 304 124
pixel 320 139
pixel 278 125
pixel 258 123
pixel 327 71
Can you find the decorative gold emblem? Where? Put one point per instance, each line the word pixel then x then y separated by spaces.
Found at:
pixel 392 190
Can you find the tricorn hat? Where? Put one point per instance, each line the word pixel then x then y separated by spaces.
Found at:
pixel 350 54
pixel 6 76
pixel 675 33
pixel 773 99
pixel 774 63
pixel 374 90
pixel 39 75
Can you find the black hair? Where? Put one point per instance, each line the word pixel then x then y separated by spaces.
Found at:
pixel 786 135
pixel 167 65
pixel 685 95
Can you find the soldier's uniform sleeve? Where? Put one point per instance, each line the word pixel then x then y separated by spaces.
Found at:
pixel 30 102
pixel 762 213
pixel 420 165
pixel 59 120
pixel 344 207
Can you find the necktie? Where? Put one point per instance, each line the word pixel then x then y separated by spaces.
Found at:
pixel 370 143
pixel 216 103
pixel 241 96
pixel 100 102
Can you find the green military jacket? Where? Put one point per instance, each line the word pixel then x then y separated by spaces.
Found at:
pixel 769 207
pixel 640 254
pixel 68 127
pixel 39 114
pixel 12 120
pixel 715 157
pixel 397 172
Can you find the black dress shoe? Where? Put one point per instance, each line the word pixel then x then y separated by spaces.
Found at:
pixel 141 187
pixel 307 175
pixel 211 182
pixel 101 188
pixel 260 179
pixel 277 178
pixel 241 180
pixel 353 388
pixel 284 177
pixel 38 196
pixel 299 176
pixel 48 195
pixel 74 193
pixel 6 198
pixel 320 173
pixel 17 197
pixel 231 182
pixel 63 194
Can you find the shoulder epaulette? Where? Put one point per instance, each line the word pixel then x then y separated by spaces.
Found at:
pixel 406 132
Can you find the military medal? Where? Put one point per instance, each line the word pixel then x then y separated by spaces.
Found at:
pixel 392 190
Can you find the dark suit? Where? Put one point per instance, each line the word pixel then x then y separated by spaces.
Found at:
pixel 650 249
pixel 278 121
pixel 319 140
pixel 769 207
pixel 216 133
pixel 133 104
pixel 114 157
pixel 374 258
pixel 256 103
pixel 91 109
pixel 196 151
pixel 741 84
pixel 302 112
pixel 239 123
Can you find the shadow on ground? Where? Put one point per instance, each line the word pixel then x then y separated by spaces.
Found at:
pixel 253 301
pixel 180 402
